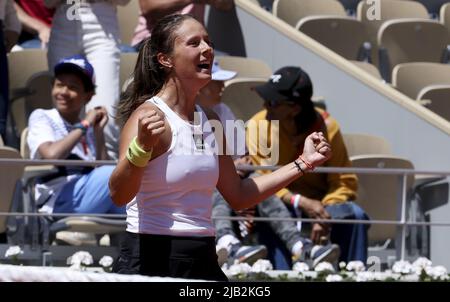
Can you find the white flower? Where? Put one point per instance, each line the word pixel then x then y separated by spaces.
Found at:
pixel 382 276
pixel 76 267
pixel 410 278
pixel 342 265
pixel 355 266
pixel 106 261
pixel 80 258
pixel 240 268
pixel 437 273
pixel 262 265
pixel 300 267
pixel 364 277
pixel 402 267
pixel 323 267
pixel 373 276
pixel 421 264
pixel 334 278
pixel 13 251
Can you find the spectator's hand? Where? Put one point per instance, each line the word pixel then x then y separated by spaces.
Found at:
pixel 244 160
pixel 101 117
pixel 313 208
pixel 319 231
pixel 44 36
pixel 317 150
pixel 150 128
pixel 246 227
pixel 91 117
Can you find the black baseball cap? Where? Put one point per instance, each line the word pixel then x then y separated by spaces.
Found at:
pixel 291 84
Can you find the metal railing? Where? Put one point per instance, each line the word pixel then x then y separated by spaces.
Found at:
pixel 402 200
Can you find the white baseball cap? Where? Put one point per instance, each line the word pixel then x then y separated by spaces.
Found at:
pixel 219 74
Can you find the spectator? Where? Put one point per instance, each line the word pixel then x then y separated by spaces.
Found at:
pixel 60 134
pixel 210 97
pixel 91 28
pixel 287 98
pixel 36 21
pixel 228 244
pixel 168 167
pixel 153 10
pixel 9 32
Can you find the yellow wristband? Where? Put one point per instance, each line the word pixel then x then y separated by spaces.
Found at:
pixel 138 156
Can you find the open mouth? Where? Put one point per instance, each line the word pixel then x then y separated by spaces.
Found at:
pixel 204 65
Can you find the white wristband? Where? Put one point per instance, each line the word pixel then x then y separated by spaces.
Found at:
pixel 297 200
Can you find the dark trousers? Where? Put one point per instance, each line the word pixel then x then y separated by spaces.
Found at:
pixel 272 207
pixel 4 84
pixel 169 256
pixel 351 238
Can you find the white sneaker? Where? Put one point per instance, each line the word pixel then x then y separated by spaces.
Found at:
pixel 325 253
pixel 223 247
pixel 246 253
pixel 222 255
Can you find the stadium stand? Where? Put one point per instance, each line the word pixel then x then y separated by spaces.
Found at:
pixel 344 35
pixel 366 144
pixel 411 40
pixel 378 194
pixel 245 67
pixel 411 78
pixel 291 11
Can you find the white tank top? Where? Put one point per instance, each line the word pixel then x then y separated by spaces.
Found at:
pixel 175 193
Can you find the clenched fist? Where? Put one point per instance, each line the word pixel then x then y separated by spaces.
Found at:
pixel 150 128
pixel 317 150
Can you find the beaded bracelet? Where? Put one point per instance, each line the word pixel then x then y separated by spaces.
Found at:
pixel 308 165
pixel 297 164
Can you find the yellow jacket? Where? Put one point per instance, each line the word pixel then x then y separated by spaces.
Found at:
pixel 330 188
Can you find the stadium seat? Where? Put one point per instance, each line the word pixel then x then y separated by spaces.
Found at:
pixel 9 180
pixel 344 35
pixel 365 144
pixel 437 99
pixel 445 15
pixel 411 78
pixel 240 97
pixel 411 40
pixel 36 93
pixel 388 10
pixel 245 67
pixel 433 6
pixel 22 64
pixel 128 19
pixel 378 193
pixel 291 11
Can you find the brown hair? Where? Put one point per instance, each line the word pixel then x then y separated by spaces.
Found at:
pixel 149 75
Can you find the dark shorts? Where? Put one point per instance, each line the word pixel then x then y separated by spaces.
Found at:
pixel 169 256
